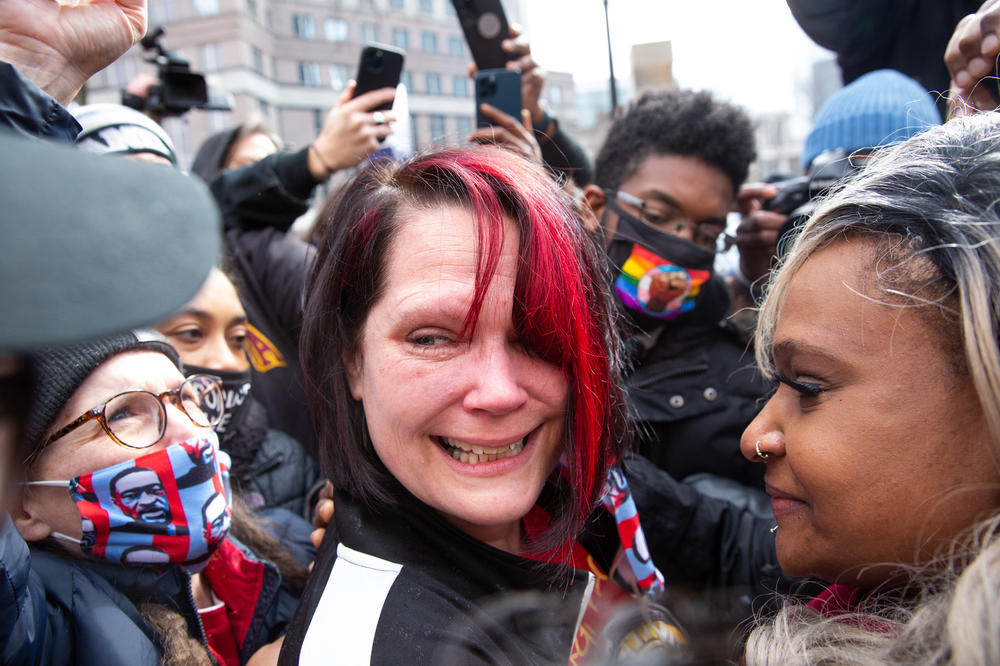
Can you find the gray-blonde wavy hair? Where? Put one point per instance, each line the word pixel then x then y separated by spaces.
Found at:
pixel 929 209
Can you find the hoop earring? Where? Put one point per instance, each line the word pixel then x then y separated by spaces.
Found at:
pixel 760 454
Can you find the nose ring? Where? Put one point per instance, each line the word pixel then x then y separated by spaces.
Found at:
pixel 760 454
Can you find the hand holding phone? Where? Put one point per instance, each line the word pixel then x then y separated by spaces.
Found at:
pixel 485 27
pixel 500 88
pixel 380 66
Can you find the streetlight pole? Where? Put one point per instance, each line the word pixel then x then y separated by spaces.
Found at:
pixel 611 64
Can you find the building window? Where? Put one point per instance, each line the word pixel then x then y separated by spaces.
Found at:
pixel 339 75
pixel 437 129
pixel 303 26
pixel 335 30
pixel 369 32
pixel 449 9
pixel 257 60
pixel 460 86
pixel 120 72
pixel 464 124
pixel 206 7
pixel 456 46
pixel 251 7
pixel 318 117
pixel 433 84
pixel 400 38
pixel 208 57
pixel 429 42
pixel 554 94
pixel 161 12
pixel 308 73
pixel 396 4
pixel 427 6
pixel 406 78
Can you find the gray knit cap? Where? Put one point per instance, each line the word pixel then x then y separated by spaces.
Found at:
pixel 56 373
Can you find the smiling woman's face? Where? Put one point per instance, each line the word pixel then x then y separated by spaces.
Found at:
pixel 471 426
pixel 877 448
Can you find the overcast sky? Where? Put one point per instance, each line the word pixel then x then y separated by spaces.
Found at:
pixel 749 51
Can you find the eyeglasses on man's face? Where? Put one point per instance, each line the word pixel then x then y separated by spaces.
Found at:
pixel 138 419
pixel 668 219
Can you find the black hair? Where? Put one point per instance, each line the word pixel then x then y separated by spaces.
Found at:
pixel 677 122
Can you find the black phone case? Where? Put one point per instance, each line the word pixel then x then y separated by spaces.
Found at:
pixel 485 26
pixel 500 88
pixel 380 66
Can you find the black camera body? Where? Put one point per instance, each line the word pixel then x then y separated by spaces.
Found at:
pixel 797 197
pixel 179 89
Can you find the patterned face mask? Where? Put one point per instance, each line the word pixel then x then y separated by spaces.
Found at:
pixel 171 506
pixel 658 277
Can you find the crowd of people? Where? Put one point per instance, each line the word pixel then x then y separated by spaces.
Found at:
pixel 505 404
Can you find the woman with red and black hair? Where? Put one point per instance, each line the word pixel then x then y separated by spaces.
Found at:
pixel 462 368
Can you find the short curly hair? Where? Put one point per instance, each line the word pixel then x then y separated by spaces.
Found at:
pixel 677 122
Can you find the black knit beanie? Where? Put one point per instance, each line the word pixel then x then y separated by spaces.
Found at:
pixel 56 373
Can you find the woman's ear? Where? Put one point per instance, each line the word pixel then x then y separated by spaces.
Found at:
pixel 27 519
pixel 352 367
pixel 594 202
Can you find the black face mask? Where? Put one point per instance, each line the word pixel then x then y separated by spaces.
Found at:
pixel 235 392
pixel 660 277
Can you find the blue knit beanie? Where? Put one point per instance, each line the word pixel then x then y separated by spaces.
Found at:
pixel 877 109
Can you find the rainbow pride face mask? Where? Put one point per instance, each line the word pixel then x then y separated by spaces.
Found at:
pixel 658 276
pixel 171 506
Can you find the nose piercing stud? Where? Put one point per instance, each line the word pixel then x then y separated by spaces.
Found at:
pixel 760 454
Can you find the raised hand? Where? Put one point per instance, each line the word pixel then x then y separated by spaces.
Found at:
pixel 59 44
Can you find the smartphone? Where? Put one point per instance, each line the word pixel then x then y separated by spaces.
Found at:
pixel 500 88
pixel 380 66
pixel 485 26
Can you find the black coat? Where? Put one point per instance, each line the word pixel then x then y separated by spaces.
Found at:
pixel 79 611
pixel 259 202
pixel 691 396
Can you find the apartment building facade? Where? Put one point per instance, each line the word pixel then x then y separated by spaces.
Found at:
pixel 286 62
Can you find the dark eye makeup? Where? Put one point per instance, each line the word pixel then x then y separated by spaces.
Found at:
pixel 808 389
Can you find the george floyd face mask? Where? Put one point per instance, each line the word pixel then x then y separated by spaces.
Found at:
pixel 235 393
pixel 172 506
pixel 658 277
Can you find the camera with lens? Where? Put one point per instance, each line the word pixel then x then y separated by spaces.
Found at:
pixel 797 197
pixel 179 89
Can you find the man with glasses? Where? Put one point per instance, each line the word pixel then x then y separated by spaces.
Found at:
pixel 665 181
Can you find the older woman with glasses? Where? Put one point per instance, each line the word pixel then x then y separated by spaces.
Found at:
pixel 125 503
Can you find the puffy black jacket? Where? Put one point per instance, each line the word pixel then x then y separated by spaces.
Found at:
pixel 77 611
pixel 26 109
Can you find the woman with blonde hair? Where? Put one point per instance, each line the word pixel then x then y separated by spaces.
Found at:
pixel 882 439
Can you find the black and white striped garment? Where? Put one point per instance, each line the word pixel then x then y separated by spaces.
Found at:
pixel 405 586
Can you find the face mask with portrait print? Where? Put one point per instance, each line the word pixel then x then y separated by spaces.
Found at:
pixel 172 506
pixel 235 393
pixel 657 276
